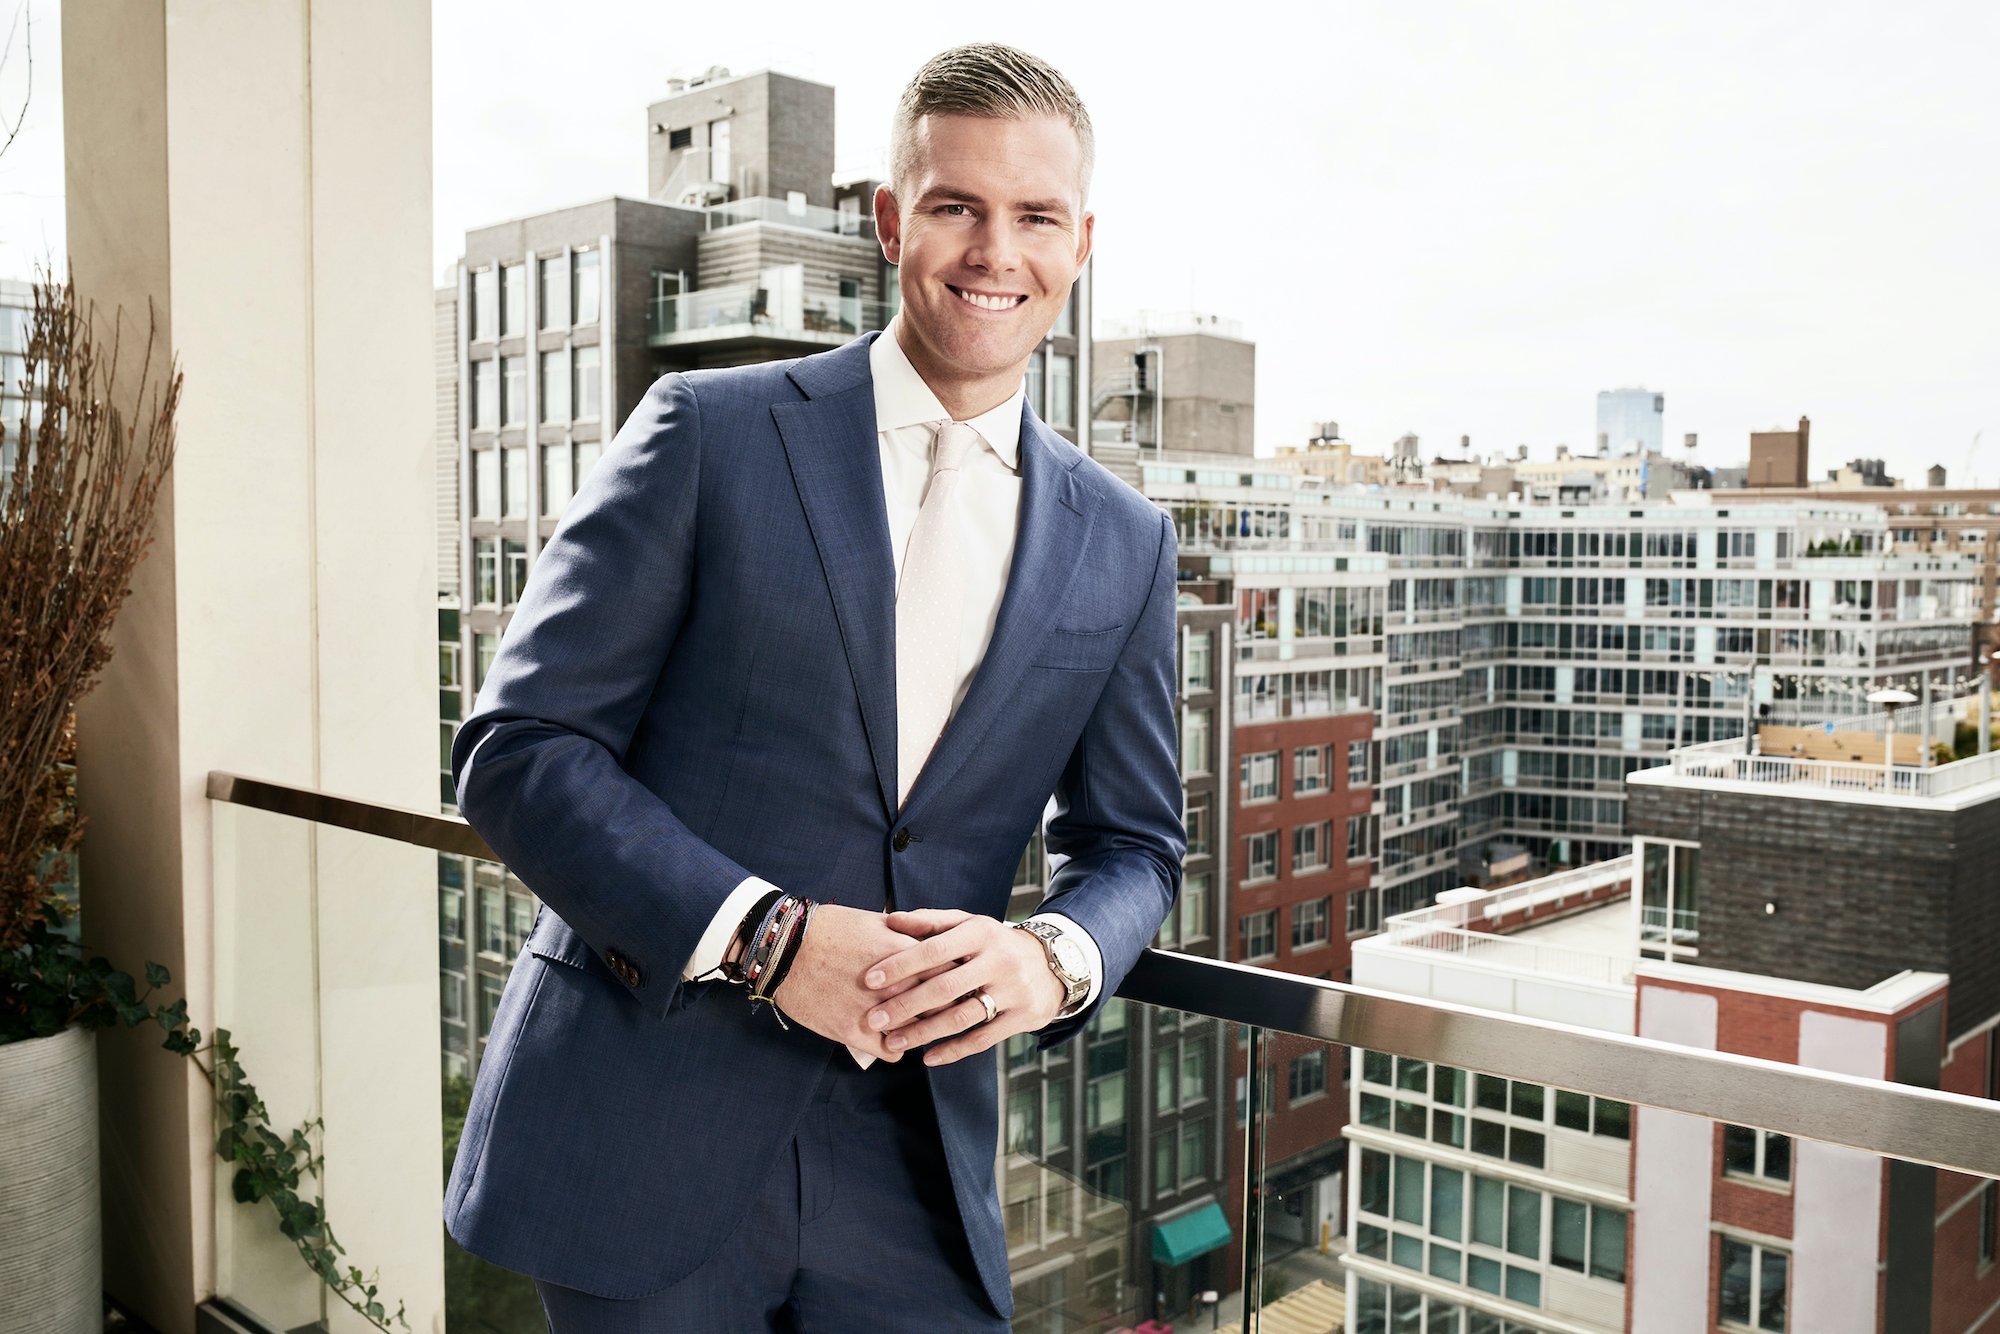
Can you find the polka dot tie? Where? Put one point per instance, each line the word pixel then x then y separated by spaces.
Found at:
pixel 930 600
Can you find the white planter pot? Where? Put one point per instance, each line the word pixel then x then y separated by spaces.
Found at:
pixel 51 1255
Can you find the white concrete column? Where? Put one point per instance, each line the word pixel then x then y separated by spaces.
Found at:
pixel 260 175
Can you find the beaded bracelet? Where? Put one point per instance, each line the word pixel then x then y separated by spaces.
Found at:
pixel 746 934
pixel 778 946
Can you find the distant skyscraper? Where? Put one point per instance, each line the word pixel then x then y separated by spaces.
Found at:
pixel 1629 421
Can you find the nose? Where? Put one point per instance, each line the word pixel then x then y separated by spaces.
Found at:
pixel 993 248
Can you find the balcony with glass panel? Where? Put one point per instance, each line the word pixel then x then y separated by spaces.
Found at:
pixel 750 316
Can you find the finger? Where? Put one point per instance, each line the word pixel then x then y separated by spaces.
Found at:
pixel 947 946
pixel 973 1041
pixel 936 994
pixel 924 921
pixel 957 1017
pixel 883 993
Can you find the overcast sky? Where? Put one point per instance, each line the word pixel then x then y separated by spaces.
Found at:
pixel 1453 219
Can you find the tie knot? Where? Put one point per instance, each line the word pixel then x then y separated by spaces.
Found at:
pixel 954 439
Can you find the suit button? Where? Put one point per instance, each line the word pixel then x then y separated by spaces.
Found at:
pixel 901 841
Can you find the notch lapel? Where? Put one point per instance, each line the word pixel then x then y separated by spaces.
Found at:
pixel 830 445
pixel 1054 525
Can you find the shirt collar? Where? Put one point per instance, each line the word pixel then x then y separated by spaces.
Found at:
pixel 903 399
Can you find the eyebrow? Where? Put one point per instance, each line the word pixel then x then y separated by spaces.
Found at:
pixel 947 194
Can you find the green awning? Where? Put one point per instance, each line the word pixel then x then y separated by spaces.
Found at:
pixel 1180 1240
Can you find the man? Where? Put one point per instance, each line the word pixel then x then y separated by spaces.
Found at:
pixel 818 640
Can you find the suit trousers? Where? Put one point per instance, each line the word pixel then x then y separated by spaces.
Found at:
pixel 853 1230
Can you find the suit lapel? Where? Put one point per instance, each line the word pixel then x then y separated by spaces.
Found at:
pixel 832 448
pixel 830 444
pixel 1049 538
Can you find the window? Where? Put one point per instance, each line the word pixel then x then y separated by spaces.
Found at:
pixel 1989 1223
pixel 1032 388
pixel 492 927
pixel 1062 389
pixel 451 997
pixel 1194 742
pixel 1360 840
pixel 1194 908
pixel 554 312
pixel 1194 1070
pixel 1753 1289
pixel 489 1002
pixel 485 571
pixel 1309 850
pixel 556 486
pixel 583 286
pixel 1308 1077
pixel 520 921
pixel 485 484
pixel 1362 911
pixel 1195 820
pixel 1309 770
pixel 447 665
pixel 513 482
pixel 1593 1116
pixel 485 397
pixel 1310 923
pixel 483 649
pixel 1587 1238
pixel 1199 673
pixel 1357 764
pixel 514 556
pixel 720 164
pixel 485 305
pixel 554 406
pixel 1024 1121
pixel 513 299
pixel 585 383
pixel 1194 1149
pixel 1259 776
pixel 587 454
pixel 1756 1153
pixel 451 912
pixel 513 390
pixel 1260 860
pixel 1257 935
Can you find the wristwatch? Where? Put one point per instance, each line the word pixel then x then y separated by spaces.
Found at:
pixel 1067 961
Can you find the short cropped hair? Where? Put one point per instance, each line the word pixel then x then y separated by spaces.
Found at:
pixel 991 80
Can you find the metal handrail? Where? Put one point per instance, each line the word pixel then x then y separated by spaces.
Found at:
pixel 1944 1130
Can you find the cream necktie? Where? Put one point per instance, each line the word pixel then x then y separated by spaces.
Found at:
pixel 930 599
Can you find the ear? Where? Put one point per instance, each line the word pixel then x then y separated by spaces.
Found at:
pixel 1083 239
pixel 888 225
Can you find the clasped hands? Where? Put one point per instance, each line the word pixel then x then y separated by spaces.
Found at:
pixel 884 983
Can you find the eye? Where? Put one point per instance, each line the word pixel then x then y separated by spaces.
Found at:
pixel 946 209
pixel 1039 220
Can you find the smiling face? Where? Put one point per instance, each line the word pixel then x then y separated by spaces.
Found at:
pixel 989 233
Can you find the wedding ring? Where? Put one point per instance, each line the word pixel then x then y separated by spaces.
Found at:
pixel 987 1001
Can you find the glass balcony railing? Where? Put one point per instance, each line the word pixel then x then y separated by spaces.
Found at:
pixel 786 213
pixel 758 314
pixel 1223 1148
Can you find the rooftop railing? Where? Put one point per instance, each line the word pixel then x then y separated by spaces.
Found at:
pixel 723 314
pixel 786 213
pixel 1178 1184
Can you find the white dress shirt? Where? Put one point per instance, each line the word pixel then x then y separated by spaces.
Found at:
pixel 907 415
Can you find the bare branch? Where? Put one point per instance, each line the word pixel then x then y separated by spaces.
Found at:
pixel 28 52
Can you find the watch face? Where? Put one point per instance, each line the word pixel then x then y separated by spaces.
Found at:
pixel 1069 956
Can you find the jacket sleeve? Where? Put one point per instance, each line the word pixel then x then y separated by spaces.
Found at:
pixel 538 763
pixel 1115 839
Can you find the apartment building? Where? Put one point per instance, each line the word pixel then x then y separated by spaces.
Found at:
pixel 1962 520
pixel 1837 914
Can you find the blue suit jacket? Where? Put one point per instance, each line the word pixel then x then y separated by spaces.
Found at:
pixel 699 685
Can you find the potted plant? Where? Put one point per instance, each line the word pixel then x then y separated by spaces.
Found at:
pixel 78 488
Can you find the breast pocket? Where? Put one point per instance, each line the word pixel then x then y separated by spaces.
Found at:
pixel 1081 650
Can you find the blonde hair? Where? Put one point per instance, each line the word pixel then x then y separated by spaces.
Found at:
pixel 991 80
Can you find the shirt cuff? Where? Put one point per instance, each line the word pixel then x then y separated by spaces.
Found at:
pixel 713 947
pixel 1093 956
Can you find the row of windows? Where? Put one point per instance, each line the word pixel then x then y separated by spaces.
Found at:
pixel 499 481
pixel 571 384
pixel 1312 771
pixel 500 296
pixel 1311 927
pixel 1312 848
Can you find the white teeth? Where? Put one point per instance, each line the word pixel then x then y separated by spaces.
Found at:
pixel 988 302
